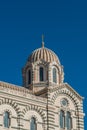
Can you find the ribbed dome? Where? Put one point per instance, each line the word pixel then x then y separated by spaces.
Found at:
pixel 43 54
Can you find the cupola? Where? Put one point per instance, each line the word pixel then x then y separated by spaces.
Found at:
pixel 43 69
pixel 44 54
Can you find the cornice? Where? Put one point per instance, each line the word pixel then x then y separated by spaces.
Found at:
pixel 19 91
pixel 72 90
pixel 45 90
pixel 62 86
pixel 15 87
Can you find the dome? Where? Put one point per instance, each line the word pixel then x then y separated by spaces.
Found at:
pixel 45 54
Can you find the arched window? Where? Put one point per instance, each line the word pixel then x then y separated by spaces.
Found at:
pixel 6 120
pixel 33 125
pixel 62 119
pixel 29 77
pixel 41 74
pixel 54 75
pixel 69 121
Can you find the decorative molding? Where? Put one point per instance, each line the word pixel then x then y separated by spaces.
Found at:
pixel 67 93
pixel 19 91
pixel 14 87
pixel 61 87
pixel 37 109
pixel 12 104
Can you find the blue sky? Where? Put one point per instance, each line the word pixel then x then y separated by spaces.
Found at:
pixel 64 25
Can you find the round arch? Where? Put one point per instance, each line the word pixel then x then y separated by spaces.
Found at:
pixel 37 113
pixel 11 103
pixel 10 107
pixel 67 94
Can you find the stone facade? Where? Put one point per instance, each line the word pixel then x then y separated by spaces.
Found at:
pixel 42 100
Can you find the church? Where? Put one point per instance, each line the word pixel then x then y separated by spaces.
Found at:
pixel 45 101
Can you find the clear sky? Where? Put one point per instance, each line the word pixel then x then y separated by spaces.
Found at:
pixel 64 25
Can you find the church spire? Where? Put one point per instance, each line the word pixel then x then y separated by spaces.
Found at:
pixel 42 40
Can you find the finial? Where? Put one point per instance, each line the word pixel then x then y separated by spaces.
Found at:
pixel 42 40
